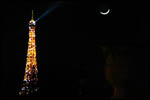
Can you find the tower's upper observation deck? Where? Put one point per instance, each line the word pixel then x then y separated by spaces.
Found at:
pixel 32 22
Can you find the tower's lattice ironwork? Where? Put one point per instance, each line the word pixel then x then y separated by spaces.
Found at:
pixel 30 83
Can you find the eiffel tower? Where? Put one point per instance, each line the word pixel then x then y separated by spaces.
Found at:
pixel 30 83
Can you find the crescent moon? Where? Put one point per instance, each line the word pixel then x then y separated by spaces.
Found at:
pixel 105 13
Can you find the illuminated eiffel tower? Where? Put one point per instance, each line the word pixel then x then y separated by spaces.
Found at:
pixel 30 83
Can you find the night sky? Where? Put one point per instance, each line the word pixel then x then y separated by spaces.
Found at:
pixel 68 43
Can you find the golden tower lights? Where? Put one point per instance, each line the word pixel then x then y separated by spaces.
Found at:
pixel 30 86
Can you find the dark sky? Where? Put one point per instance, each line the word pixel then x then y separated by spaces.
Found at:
pixel 66 37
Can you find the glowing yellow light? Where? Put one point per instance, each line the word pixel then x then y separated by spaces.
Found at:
pixel 31 54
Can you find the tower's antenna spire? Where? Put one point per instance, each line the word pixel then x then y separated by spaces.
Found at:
pixel 32 14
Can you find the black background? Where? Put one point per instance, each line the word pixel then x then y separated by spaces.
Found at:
pixel 66 42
